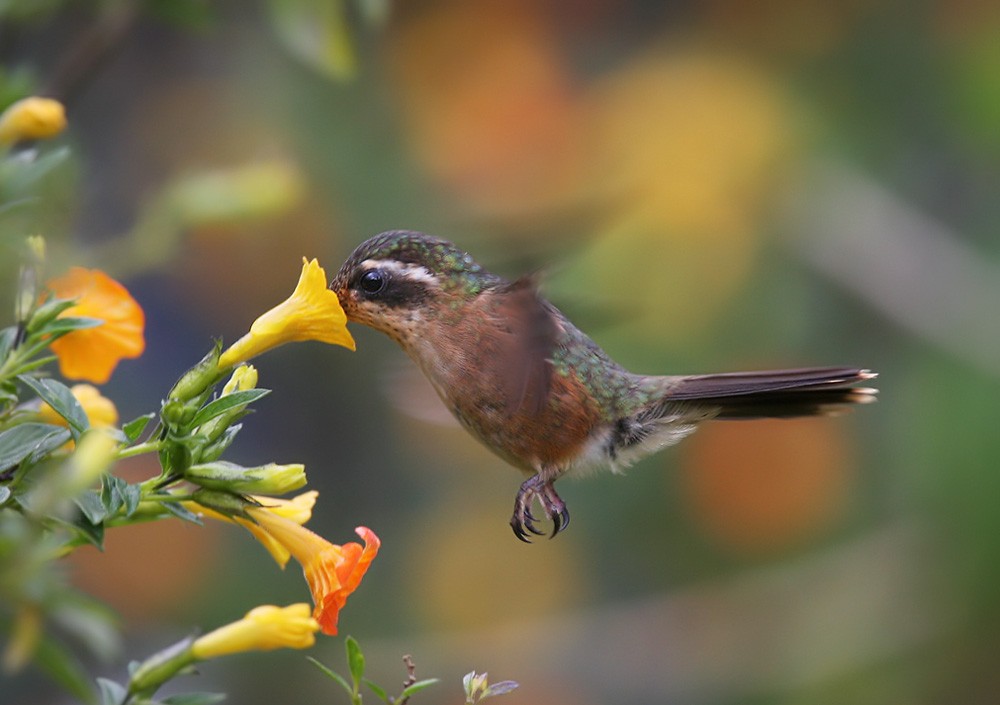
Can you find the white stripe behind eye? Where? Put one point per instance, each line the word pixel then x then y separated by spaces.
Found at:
pixel 405 270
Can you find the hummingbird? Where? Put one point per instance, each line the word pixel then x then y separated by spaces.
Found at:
pixel 536 390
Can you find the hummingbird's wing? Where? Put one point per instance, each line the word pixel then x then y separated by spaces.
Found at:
pixel 526 352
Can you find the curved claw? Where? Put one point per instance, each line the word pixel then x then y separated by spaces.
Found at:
pixel 529 523
pixel 523 521
pixel 560 520
pixel 519 531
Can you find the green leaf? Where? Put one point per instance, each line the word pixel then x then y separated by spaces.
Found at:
pixel 317 33
pixel 91 506
pixel 181 513
pixel 67 324
pixel 34 364
pixel 195 15
pixel 47 312
pixel 499 688
pixel 7 337
pixel 194 699
pixel 61 399
pixel 29 440
pixel 62 666
pixel 91 533
pixel 131 495
pixel 332 675
pixel 39 169
pixel 112 693
pixel 8 395
pixel 355 659
pixel 134 428
pixel 112 493
pixel 91 623
pixel 229 402
pixel 378 690
pixel 417 687
pixel 215 449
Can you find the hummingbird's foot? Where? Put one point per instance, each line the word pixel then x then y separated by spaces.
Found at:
pixel 523 521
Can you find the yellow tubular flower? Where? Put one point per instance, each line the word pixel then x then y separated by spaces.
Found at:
pixel 297 509
pixel 263 628
pixel 32 119
pixel 333 572
pixel 312 312
pixel 100 411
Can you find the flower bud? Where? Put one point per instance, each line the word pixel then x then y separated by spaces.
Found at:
pixel 226 504
pixel 199 378
pixel 270 479
pixel 177 414
pixel 161 667
pixel 32 119
pixel 244 378
pixel 264 628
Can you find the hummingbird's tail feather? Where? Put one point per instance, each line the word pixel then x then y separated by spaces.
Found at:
pixel 811 391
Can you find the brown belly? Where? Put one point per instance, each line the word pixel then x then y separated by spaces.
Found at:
pixel 528 438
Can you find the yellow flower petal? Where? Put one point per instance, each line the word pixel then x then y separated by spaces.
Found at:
pixel 32 119
pixel 93 353
pixel 312 312
pixel 263 628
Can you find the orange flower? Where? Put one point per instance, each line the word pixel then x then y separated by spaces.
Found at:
pixel 93 353
pixel 333 572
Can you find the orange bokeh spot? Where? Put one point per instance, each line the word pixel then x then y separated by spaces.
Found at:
pixel 146 570
pixel 765 486
pixel 489 105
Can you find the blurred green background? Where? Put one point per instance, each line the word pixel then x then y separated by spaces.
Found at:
pixel 710 185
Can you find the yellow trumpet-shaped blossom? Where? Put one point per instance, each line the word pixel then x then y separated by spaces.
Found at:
pixel 264 628
pixel 333 572
pixel 312 312
pixel 32 119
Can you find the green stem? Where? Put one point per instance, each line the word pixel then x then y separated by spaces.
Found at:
pixel 147 447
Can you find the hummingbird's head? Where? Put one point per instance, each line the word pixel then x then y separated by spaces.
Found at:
pixel 396 280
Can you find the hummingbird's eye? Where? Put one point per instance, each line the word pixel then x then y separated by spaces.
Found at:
pixel 373 281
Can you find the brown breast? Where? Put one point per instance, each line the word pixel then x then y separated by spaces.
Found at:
pixel 500 386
